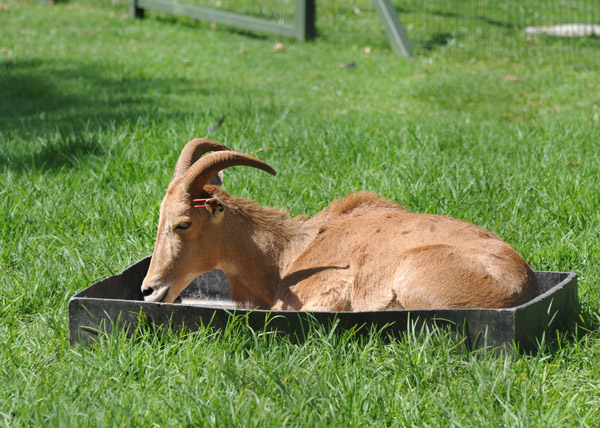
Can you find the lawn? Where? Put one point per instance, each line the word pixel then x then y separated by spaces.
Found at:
pixel 499 130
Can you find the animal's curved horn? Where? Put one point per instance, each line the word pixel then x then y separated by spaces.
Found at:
pixel 212 163
pixel 192 152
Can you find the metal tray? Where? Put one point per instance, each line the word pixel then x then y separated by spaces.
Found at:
pixel 117 302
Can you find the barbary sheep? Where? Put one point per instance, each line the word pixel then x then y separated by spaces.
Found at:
pixel 360 253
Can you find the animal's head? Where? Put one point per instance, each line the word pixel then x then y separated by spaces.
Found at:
pixel 191 220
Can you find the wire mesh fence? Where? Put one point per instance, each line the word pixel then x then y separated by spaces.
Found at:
pixel 501 26
pixel 471 27
pixel 477 28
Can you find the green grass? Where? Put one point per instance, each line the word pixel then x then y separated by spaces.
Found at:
pixel 94 108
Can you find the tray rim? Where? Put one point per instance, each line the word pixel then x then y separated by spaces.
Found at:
pixel 488 328
pixel 568 278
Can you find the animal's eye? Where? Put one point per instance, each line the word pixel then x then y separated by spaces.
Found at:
pixel 183 225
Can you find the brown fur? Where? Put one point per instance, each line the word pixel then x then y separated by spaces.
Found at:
pixel 361 253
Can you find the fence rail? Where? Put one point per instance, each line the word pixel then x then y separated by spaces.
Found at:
pixel 303 27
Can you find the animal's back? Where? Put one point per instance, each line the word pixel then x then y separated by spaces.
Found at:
pixel 370 254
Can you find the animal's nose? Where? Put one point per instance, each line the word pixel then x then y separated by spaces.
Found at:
pixel 154 291
pixel 146 291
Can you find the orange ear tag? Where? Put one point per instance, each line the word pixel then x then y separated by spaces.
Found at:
pixel 212 203
pixel 201 200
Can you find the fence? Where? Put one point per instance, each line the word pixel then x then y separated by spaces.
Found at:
pixel 470 27
pixel 501 26
pixel 302 26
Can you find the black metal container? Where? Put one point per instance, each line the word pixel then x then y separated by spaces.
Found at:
pixel 117 302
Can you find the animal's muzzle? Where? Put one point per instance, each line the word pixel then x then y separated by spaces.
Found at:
pixel 155 292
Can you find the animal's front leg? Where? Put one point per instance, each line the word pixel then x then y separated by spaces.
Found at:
pixel 317 289
pixel 335 297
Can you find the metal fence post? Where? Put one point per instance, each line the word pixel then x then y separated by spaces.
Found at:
pixel 134 10
pixel 304 19
pixel 393 27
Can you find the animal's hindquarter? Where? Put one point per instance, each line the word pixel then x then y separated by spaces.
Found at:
pixel 442 276
pixel 403 260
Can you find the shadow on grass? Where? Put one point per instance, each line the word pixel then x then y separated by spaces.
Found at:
pixel 403 10
pixel 198 23
pixel 588 321
pixel 58 153
pixel 479 18
pixel 60 92
pixel 584 324
pixel 50 110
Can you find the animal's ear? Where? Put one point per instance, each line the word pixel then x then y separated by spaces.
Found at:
pixel 217 179
pixel 215 208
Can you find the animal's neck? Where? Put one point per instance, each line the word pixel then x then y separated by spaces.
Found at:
pixel 264 242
